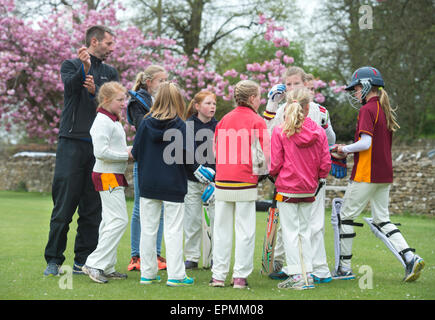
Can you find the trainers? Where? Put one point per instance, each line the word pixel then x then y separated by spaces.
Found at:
pixel 296 282
pixel 115 275
pixel 191 264
pixel 150 281
pixel 239 283
pixel 341 274
pixel 52 269
pixel 161 263
pixel 280 275
pixel 95 274
pixel 413 269
pixel 134 264
pixel 179 283
pixel 216 283
pixel 77 268
pixel 321 280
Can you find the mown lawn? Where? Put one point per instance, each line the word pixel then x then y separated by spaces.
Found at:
pixel 24 230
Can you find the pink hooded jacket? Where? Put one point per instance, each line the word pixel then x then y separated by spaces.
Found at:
pixel 301 160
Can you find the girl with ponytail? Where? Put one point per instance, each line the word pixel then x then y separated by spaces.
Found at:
pixel 236 184
pixel 372 173
pixel 202 123
pixel 299 160
pixel 145 87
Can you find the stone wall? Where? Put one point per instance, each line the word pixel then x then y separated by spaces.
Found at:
pixel 33 172
pixel 413 189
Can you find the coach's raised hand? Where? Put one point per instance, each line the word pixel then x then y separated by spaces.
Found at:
pixel 85 58
pixel 89 84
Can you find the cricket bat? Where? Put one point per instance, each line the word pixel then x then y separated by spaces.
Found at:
pixel 206 237
pixel 267 257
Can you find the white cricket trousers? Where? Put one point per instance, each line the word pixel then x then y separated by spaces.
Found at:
pixel 295 221
pixel 150 211
pixel 317 225
pixel 356 198
pixel 114 220
pixel 193 216
pixel 241 217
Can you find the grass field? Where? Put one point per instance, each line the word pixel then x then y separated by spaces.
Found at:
pixel 24 230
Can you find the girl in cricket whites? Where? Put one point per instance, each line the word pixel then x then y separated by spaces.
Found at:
pixel 372 173
pixel 111 156
pixel 295 77
pixel 241 140
pixel 300 159
pixel 202 123
pixel 142 98
pixel 161 150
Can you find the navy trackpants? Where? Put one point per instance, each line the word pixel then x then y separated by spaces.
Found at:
pixel 73 189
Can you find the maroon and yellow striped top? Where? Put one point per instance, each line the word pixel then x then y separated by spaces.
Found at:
pixel 374 165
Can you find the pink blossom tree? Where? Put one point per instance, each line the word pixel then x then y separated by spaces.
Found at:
pixel 31 91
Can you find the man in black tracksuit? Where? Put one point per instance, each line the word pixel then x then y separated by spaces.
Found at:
pixel 72 183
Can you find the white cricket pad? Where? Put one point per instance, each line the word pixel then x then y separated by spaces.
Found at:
pixel 335 221
pixel 379 234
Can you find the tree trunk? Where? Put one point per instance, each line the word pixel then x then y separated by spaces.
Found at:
pixel 191 34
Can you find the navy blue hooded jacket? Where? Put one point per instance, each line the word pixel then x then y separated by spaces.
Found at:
pixel 162 156
pixel 203 142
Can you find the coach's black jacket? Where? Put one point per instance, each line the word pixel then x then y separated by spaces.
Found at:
pixel 79 108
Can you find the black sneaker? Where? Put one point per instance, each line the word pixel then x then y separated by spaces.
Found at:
pixel 115 275
pixel 278 275
pixel 343 275
pixel 190 264
pixel 413 269
pixel 52 269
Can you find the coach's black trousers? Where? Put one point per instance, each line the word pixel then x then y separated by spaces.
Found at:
pixel 73 189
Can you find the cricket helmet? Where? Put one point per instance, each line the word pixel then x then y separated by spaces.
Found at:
pixel 367 77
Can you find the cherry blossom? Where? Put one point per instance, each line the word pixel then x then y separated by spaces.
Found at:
pixel 31 90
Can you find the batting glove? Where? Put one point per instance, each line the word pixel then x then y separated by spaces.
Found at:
pixel 204 174
pixel 208 194
pixel 338 167
pixel 275 95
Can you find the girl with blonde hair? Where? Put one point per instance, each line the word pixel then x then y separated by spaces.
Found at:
pixel 142 98
pixel 295 77
pixel 299 160
pixel 236 185
pixel 163 181
pixel 372 173
pixel 111 155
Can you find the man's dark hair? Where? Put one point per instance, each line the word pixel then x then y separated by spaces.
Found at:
pixel 96 32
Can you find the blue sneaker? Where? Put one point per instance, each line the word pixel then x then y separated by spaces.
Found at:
pixel 321 280
pixel 77 268
pixel 179 283
pixel 413 269
pixel 341 274
pixel 150 281
pixel 52 269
